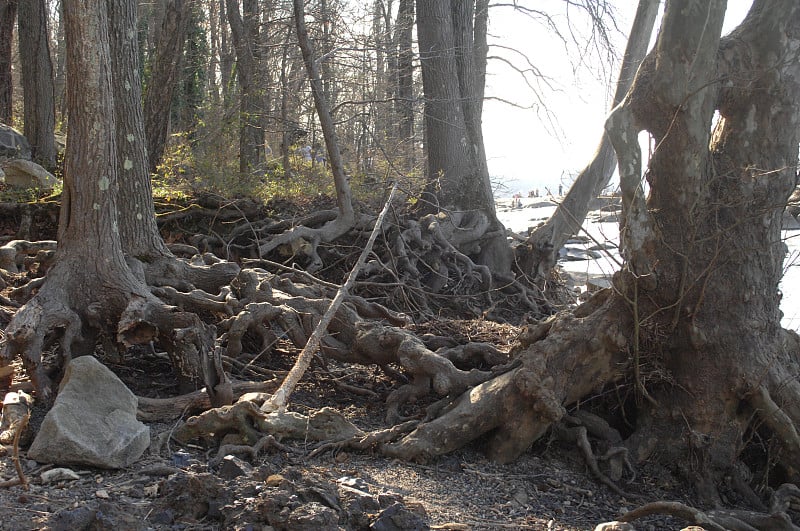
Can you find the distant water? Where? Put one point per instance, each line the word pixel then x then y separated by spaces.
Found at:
pixel 537 210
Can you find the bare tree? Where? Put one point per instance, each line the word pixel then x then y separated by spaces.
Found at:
pixel 246 33
pixel 164 68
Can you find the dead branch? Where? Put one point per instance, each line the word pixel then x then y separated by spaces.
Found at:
pixel 281 396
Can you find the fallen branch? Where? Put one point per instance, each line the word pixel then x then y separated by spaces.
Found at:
pixel 279 399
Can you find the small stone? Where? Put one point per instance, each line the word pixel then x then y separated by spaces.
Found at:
pixel 615 526
pixel 232 467
pixel 275 480
pixel 353 483
pixel 58 474
pixel 166 517
pixel 398 518
pixel 102 494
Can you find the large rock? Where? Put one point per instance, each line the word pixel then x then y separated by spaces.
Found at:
pixel 93 421
pixel 13 144
pixel 26 174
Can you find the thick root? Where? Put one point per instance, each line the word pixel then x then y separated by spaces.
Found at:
pixel 517 407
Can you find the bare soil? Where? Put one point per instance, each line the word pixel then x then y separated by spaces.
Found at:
pixel 176 487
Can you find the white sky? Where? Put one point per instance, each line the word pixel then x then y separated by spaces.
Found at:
pixel 526 149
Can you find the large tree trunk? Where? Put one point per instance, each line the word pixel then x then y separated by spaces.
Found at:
pixel 457 176
pixel 692 325
pixel 404 28
pixel 539 253
pixel 37 82
pixel 90 292
pixel 8 18
pixel 137 222
pixel 164 69
pixel 704 252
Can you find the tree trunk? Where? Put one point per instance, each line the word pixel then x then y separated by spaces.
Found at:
pixel 344 198
pixel 37 82
pixel 8 18
pixel 404 28
pixel 164 69
pixel 692 326
pixel 455 178
pixel 705 250
pixel 137 222
pixel 538 255
pixel 458 176
pixel 246 40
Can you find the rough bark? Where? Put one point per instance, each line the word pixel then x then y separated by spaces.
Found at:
pixel 539 253
pixel 8 17
pixel 164 69
pixel 458 176
pixel 455 176
pixel 82 300
pixel 37 82
pixel 404 27
pixel 714 214
pixel 137 222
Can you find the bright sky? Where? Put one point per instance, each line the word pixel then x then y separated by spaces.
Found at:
pixel 526 149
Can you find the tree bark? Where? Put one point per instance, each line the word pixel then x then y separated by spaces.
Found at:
pixel 246 41
pixel 137 222
pixel 404 28
pixel 714 215
pixel 8 17
pixel 456 176
pixel 37 82
pixel 164 68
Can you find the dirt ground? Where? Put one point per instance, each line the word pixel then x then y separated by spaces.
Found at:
pixel 179 487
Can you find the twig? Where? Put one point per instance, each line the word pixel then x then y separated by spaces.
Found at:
pixel 21 479
pixel 278 400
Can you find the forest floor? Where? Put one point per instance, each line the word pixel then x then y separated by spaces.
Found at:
pixel 182 487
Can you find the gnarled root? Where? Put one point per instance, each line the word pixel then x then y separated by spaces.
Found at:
pixel 381 345
pixel 250 423
pixel 26 333
pixel 785 496
pixel 517 407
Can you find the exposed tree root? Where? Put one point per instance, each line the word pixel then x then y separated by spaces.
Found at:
pixel 777 519
pixel 518 407
pixel 14 253
pixel 16 414
pixel 169 409
pixel 246 420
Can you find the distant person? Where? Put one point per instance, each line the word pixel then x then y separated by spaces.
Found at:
pixel 560 190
